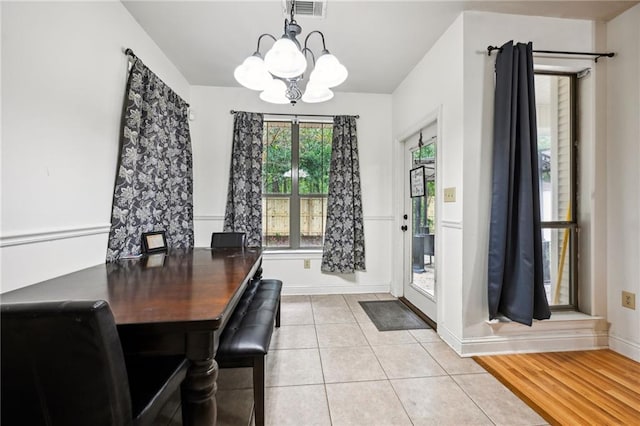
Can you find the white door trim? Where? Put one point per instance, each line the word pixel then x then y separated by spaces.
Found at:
pixel 435 116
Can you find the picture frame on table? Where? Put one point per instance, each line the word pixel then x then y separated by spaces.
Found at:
pixel 154 242
pixel 416 181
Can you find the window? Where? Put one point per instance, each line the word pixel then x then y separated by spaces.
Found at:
pixel 295 183
pixel 556 115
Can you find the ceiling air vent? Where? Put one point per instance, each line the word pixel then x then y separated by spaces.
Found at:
pixel 315 9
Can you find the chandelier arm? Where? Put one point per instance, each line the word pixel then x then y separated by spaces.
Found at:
pixel 324 47
pixel 306 49
pixel 260 39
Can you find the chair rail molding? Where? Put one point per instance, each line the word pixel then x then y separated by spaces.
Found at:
pixel 207 217
pixel 217 217
pixel 453 224
pixel 380 218
pixel 45 235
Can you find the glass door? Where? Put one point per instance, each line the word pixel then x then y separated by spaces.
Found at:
pixel 420 217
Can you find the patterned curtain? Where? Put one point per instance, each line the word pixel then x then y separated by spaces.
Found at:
pixel 154 185
pixel 343 250
pixel 244 197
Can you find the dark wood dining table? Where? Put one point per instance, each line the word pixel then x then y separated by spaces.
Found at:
pixel 177 303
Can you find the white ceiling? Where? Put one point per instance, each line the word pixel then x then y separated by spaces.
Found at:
pixel 378 41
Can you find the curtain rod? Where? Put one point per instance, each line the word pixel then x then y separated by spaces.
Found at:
pixel 296 115
pixel 561 52
pixel 130 53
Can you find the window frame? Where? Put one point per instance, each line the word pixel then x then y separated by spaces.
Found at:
pixel 572 224
pixel 294 196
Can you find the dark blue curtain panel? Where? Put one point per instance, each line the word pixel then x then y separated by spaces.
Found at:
pixel 515 280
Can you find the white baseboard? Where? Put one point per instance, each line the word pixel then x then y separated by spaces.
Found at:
pixel 450 338
pixel 625 347
pixel 572 334
pixel 526 344
pixel 290 290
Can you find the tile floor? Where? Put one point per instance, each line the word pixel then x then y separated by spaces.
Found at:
pixel 329 365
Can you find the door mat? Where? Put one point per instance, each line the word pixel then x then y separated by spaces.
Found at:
pixel 390 315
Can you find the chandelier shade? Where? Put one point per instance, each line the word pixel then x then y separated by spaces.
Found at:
pixel 316 93
pixel 275 92
pixel 329 71
pixel 253 74
pixel 285 60
pixel 281 75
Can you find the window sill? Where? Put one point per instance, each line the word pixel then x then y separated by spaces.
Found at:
pixel 564 320
pixel 292 254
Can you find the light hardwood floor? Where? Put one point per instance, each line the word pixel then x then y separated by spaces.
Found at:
pixel 573 388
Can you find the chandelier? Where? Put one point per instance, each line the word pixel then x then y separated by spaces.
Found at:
pixel 279 75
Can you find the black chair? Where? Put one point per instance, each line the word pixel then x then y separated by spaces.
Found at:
pixel 228 240
pixel 63 364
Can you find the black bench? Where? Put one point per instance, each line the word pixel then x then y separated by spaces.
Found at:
pixel 246 337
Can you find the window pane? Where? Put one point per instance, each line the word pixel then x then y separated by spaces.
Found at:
pixel 276 158
pixel 275 222
pixel 296 161
pixel 313 211
pixel 424 215
pixel 315 158
pixel 556 255
pixel 553 109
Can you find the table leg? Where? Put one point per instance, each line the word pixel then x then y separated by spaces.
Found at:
pixel 199 394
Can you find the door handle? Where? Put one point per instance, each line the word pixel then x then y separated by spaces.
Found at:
pixel 404 228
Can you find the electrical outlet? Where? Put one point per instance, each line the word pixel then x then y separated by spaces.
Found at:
pixel 450 195
pixel 307 263
pixel 628 300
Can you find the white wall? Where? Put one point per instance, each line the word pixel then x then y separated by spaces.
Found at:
pixel 458 74
pixel 623 180
pixel 482 29
pixel 211 133
pixel 436 84
pixel 63 81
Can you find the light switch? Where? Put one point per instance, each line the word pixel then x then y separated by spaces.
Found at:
pixel 450 195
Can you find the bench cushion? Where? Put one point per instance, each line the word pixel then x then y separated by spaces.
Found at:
pixel 248 332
